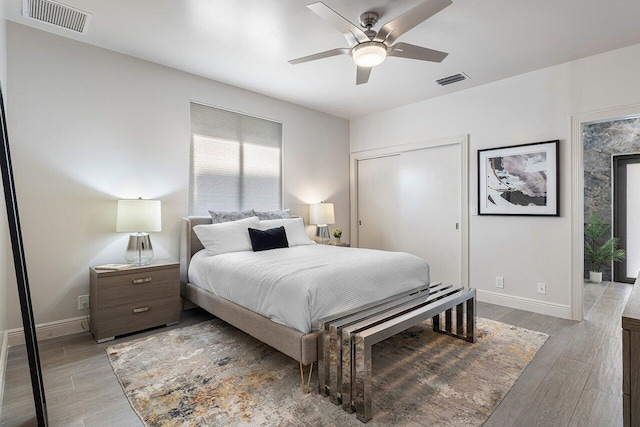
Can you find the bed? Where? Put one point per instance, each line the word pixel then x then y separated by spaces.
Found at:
pixel 317 280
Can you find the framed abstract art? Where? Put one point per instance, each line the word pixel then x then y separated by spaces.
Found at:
pixel 519 180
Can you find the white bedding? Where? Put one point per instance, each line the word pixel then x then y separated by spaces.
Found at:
pixel 297 286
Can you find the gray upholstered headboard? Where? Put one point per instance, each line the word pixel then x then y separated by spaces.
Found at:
pixel 189 245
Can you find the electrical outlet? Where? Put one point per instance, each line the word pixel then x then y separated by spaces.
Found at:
pixel 542 288
pixel 499 282
pixel 83 302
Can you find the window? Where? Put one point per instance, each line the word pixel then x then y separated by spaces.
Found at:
pixel 236 162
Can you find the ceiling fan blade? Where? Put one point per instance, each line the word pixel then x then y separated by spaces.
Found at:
pixel 353 34
pixel 403 23
pixel 362 76
pixel 321 55
pixel 411 51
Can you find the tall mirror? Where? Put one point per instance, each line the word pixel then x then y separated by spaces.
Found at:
pixel 22 361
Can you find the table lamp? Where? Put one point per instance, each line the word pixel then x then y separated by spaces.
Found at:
pixel 322 214
pixel 139 217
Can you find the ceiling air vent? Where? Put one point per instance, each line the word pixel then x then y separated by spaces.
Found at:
pixel 452 79
pixel 60 15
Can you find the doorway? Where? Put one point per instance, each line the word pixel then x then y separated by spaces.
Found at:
pixel 414 198
pixel 584 127
pixel 626 215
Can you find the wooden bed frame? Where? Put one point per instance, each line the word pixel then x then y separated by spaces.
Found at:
pixel 293 343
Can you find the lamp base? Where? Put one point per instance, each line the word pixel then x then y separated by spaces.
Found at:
pixel 323 233
pixel 139 250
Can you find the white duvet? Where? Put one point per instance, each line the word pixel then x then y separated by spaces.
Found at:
pixel 297 286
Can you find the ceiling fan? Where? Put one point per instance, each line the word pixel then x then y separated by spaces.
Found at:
pixel 369 48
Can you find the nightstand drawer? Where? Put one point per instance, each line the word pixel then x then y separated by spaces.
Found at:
pixel 133 317
pixel 138 286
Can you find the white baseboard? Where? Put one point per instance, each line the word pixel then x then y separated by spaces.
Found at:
pixel 4 347
pixel 48 330
pixel 527 304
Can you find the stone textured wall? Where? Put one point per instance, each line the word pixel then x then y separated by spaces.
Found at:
pixel 601 141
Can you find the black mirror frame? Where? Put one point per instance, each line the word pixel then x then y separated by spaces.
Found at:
pixel 20 264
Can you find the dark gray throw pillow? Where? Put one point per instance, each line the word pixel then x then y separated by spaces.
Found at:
pixel 219 216
pixel 262 215
pixel 273 238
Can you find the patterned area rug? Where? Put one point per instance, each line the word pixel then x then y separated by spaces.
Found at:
pixel 213 374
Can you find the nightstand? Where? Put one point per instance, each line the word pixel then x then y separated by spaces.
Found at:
pixel 344 245
pixel 134 299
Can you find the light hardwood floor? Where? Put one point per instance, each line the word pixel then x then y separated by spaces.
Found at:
pixel 574 380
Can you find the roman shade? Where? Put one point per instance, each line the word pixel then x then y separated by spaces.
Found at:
pixel 236 161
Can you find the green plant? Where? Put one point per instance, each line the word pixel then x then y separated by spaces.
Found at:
pixel 337 233
pixel 595 231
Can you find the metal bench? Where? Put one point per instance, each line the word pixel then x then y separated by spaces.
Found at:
pixel 344 364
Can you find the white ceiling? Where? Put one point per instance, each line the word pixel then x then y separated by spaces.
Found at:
pixel 247 43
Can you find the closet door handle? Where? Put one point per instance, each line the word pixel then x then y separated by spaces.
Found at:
pixel 144 280
pixel 141 309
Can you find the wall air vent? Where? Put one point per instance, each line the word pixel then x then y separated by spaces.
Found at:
pixel 58 14
pixel 452 79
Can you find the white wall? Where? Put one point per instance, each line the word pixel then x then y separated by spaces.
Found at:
pixel 3 216
pixel 532 107
pixel 3 213
pixel 3 49
pixel 89 126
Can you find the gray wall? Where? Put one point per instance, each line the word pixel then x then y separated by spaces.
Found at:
pixel 601 141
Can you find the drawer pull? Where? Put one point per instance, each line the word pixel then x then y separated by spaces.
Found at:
pixel 141 309
pixel 145 280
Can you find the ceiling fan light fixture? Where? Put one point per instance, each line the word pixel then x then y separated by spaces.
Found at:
pixel 369 48
pixel 369 54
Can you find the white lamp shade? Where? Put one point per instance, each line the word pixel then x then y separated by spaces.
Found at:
pixel 321 214
pixel 139 216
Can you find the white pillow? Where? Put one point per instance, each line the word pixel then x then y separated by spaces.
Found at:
pixel 294 227
pixel 227 236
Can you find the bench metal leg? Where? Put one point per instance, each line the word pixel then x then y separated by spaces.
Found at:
pixel 471 320
pixel 347 380
pixel 335 365
pixel 466 309
pixel 459 319
pixel 362 392
pixel 436 323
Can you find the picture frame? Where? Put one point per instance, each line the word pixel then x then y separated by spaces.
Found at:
pixel 520 180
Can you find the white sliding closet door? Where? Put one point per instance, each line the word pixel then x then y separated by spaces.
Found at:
pixel 411 202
